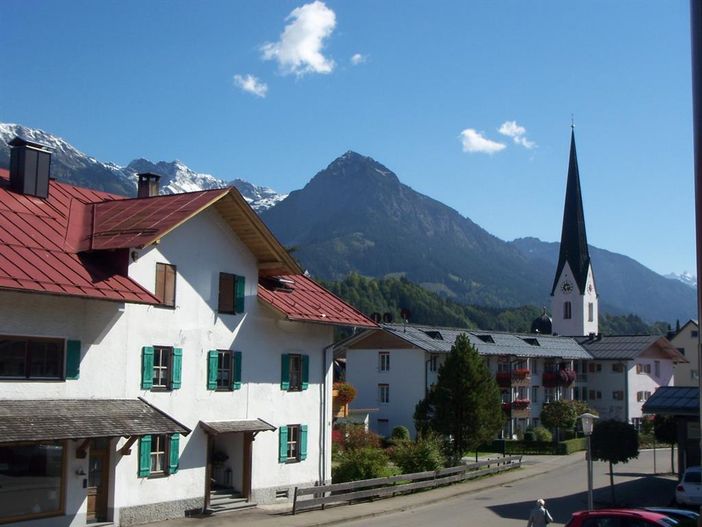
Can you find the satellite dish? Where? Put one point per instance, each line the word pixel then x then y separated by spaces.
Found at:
pixel 375 317
pixel 387 318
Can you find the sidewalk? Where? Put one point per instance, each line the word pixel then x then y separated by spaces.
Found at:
pixel 277 515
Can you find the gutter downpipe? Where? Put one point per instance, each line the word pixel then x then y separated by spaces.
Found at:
pixel 324 408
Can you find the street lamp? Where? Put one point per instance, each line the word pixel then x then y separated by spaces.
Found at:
pixel 588 422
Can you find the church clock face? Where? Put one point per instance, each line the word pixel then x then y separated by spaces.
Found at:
pixel 566 287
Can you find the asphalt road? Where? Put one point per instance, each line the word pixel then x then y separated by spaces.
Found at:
pixel 565 491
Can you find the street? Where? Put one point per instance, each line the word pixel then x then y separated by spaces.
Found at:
pixel 565 491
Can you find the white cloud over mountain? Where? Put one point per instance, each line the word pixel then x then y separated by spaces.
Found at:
pixel 475 142
pixel 301 43
pixel 251 84
pixel 517 133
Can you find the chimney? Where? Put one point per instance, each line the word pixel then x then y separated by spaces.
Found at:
pixel 29 167
pixel 148 185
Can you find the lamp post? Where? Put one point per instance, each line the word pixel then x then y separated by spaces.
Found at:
pixel 588 422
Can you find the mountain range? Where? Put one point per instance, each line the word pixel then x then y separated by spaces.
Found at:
pixel 357 216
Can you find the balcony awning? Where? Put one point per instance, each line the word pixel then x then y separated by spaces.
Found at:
pixel 225 427
pixel 47 420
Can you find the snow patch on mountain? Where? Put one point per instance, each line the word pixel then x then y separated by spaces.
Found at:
pixel 685 277
pixel 73 166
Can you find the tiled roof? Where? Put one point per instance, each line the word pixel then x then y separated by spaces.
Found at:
pixel 139 222
pixel 440 340
pixel 41 420
pixel 40 242
pixel 674 400
pixel 624 347
pixel 249 425
pixel 301 299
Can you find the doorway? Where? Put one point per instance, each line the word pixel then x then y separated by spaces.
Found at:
pixel 98 479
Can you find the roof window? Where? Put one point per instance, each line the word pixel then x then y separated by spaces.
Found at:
pixel 486 338
pixel 531 341
pixel 434 334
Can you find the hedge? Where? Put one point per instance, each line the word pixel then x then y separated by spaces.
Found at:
pixel 537 447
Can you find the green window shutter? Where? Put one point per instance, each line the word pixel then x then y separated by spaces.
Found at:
pixel 305 371
pixel 212 357
pixel 73 359
pixel 173 453
pixel 177 363
pixel 147 367
pixel 144 456
pixel 283 444
pixel 284 372
pixel 236 373
pixel 239 293
pixel 303 442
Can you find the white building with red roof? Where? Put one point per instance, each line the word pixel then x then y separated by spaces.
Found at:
pixel 160 354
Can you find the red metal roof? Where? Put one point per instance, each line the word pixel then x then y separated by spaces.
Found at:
pixel 40 241
pixel 300 298
pixel 139 222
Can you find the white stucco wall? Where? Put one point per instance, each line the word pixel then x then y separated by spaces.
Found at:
pixel 113 335
pixel 579 323
pixel 687 373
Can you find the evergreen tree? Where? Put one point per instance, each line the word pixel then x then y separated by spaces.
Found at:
pixel 465 402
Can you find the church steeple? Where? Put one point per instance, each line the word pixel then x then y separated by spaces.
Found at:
pixel 573 236
pixel 573 295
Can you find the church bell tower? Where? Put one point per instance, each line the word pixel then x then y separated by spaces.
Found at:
pixel 574 295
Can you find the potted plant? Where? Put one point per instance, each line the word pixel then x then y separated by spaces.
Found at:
pixel 345 393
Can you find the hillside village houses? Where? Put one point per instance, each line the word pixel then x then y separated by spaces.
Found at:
pixel 158 355
pixel 394 366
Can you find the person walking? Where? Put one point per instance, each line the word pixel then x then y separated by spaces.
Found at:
pixel 539 517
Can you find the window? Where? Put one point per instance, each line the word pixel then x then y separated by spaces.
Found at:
pixel 292 443
pixel 384 393
pixel 158 455
pixel 567 310
pixel 657 368
pixel 294 372
pixel 549 395
pixel 434 361
pixel 642 369
pixel 681 350
pixel 618 395
pixel 618 367
pixel 231 294
pixel 38 358
pixel 595 394
pixel 642 396
pixel 590 312
pixel 161 368
pixel 32 477
pixel 165 284
pixel 224 370
pixel 383 361
pixel 694 333
pixel 535 394
pixel 594 367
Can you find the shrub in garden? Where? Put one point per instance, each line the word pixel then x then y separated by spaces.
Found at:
pixel 400 433
pixel 360 463
pixel 418 456
pixel 355 437
pixel 542 434
pixel 529 435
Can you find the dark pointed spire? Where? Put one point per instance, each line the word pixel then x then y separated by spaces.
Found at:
pixel 573 237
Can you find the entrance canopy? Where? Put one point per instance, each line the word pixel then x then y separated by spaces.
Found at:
pixel 41 420
pixel 674 400
pixel 224 427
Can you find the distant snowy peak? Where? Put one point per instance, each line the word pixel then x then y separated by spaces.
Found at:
pixel 73 166
pixel 685 277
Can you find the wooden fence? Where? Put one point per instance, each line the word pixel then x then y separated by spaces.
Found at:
pixel 322 495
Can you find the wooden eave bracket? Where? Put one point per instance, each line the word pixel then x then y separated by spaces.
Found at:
pixel 127 448
pixel 82 449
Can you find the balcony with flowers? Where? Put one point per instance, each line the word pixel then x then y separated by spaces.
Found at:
pixel 561 377
pixel 504 379
pixel 521 376
pixel 518 407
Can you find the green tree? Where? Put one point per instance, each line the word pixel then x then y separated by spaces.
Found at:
pixel 559 414
pixel 465 402
pixel 665 431
pixel 615 442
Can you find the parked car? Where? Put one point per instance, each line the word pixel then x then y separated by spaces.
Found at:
pixel 689 490
pixel 620 518
pixel 685 517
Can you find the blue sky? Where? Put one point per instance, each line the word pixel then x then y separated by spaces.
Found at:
pixel 273 91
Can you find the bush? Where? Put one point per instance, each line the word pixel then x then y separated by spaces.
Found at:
pixel 356 437
pixel 360 463
pixel 400 433
pixel 529 436
pixel 572 445
pixel 543 434
pixel 418 456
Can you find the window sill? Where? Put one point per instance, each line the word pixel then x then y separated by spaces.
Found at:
pixel 166 306
pixel 159 475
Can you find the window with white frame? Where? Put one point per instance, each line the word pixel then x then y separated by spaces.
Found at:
pixel 158 454
pixel 618 395
pixel 642 396
pixel 433 363
pixel 643 369
pixel 383 361
pixel 549 395
pixel 384 393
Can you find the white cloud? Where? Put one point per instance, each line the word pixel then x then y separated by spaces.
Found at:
pixel 357 59
pixel 251 84
pixel 299 49
pixel 517 133
pixel 473 141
